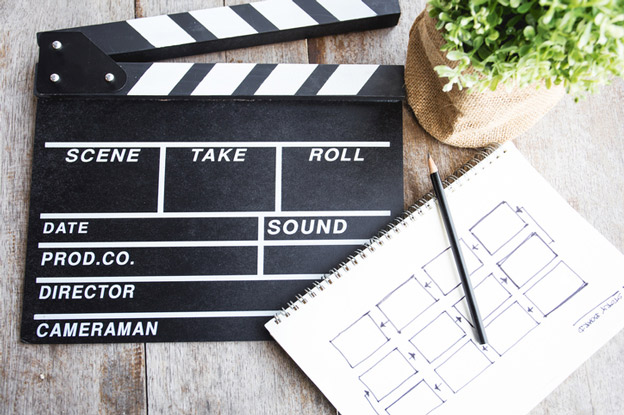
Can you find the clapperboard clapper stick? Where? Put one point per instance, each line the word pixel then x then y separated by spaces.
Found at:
pixel 191 202
pixel 83 59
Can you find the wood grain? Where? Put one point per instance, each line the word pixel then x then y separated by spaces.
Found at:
pixel 566 146
pixel 106 379
pixel 228 377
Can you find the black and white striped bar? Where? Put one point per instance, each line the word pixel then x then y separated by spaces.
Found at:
pixel 231 27
pixel 249 80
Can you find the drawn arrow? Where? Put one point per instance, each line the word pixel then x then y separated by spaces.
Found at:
pixel 485 348
pixel 523 210
pixel 458 319
pixel 384 324
pixel 504 280
pixel 530 309
pixel 412 355
pixel 367 397
pixel 436 387
pixel 475 247
pixel 428 284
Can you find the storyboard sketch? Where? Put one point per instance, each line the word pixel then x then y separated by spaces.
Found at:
pixel 414 350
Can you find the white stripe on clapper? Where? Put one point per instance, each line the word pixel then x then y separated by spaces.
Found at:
pixel 223 22
pixel 223 79
pixel 160 78
pixel 161 31
pixel 348 79
pixel 286 79
pixel 284 14
pixel 347 9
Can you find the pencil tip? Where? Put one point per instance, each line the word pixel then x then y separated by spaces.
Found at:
pixel 432 166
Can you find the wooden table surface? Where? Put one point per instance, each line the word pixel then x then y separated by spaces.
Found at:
pixel 578 147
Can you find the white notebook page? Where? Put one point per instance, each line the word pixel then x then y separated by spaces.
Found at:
pixel 392 335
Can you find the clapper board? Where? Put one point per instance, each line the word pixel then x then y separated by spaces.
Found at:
pixel 191 202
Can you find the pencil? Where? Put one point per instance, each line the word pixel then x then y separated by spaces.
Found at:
pixel 457 254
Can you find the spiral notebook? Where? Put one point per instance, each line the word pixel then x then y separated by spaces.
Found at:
pixel 389 332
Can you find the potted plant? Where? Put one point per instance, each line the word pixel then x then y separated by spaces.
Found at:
pixel 481 71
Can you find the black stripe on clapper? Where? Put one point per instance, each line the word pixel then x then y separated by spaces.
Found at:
pixel 316 11
pixel 192 27
pixel 387 81
pixel 134 71
pixel 383 7
pixel 316 80
pixel 255 19
pixel 255 78
pixel 191 79
pixel 117 37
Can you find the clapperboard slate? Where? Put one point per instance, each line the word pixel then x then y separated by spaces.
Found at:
pixel 190 202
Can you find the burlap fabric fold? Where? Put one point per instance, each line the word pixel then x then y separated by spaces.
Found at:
pixel 466 119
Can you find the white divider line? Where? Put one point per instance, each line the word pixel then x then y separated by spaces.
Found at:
pixel 260 266
pixel 214 144
pixel 177 278
pixel 278 179
pixel 195 244
pixel 166 314
pixel 213 215
pixel 161 180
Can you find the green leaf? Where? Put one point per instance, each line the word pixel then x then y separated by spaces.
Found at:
pixel 478 41
pixel 493 35
pixel 529 32
pixel 525 7
pixel 615 31
pixel 445 72
pixel 585 36
pixel 448 87
pixel 455 55
pixel 494 83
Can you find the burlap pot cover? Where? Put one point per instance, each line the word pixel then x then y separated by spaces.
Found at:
pixel 460 118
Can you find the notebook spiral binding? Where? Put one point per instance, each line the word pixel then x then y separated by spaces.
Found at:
pixel 402 221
